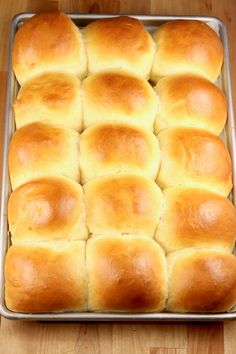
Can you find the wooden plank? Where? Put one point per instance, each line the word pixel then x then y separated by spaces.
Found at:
pixel 205 338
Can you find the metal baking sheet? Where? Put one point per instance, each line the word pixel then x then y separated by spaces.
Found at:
pixel 151 22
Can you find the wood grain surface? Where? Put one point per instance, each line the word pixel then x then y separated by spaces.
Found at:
pixel 116 338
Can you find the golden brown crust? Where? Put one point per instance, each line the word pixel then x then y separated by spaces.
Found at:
pixel 39 149
pixel 119 42
pixel 194 158
pixel 194 217
pixel 52 98
pixel 122 204
pixel 48 42
pixel 201 281
pixel 114 148
pixel 192 101
pixel 187 46
pixel 126 274
pixel 46 277
pixel 47 209
pixel 118 95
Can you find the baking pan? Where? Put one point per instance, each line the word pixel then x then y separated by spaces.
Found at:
pixel 224 81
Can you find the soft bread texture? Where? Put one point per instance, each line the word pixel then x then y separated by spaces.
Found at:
pixel 194 217
pixel 48 42
pixel 187 46
pixel 192 101
pixel 119 42
pixel 114 148
pixel 53 98
pixel 47 209
pixel 201 280
pixel 123 204
pixel 194 158
pixel 39 149
pixel 47 277
pixel 126 274
pixel 118 96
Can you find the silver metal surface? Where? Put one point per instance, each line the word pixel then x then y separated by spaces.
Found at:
pixel 81 20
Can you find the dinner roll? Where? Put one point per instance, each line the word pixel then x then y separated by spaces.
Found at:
pixel 194 158
pixel 48 42
pixel 187 46
pixel 114 148
pixel 201 280
pixel 47 209
pixel 39 149
pixel 46 277
pixel 194 217
pixel 192 101
pixel 119 42
pixel 50 98
pixel 126 274
pixel 123 204
pixel 118 96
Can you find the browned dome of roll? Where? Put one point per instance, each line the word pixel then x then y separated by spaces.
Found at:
pixel 122 204
pixel 39 149
pixel 53 98
pixel 126 274
pixel 201 280
pixel 187 46
pixel 47 209
pixel 114 148
pixel 48 42
pixel 192 101
pixel 118 95
pixel 193 217
pixel 194 158
pixel 119 43
pixel 46 277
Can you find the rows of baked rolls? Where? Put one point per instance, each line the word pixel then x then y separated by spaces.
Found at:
pixel 119 187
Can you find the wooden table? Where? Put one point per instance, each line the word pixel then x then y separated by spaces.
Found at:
pixel 114 338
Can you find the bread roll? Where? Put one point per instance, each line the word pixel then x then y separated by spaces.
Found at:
pixel 194 158
pixel 126 274
pixel 123 204
pixel 39 149
pixel 201 280
pixel 46 277
pixel 50 98
pixel 48 42
pixel 194 217
pixel 114 148
pixel 47 209
pixel 119 42
pixel 192 101
pixel 187 46
pixel 118 96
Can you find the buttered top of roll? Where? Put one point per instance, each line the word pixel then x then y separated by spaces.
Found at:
pixel 189 100
pixel 123 204
pixel 118 96
pixel 193 217
pixel 48 42
pixel 126 274
pixel 194 158
pixel 187 46
pixel 119 42
pixel 47 209
pixel 39 149
pixel 52 98
pixel 202 280
pixel 113 148
pixel 46 277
